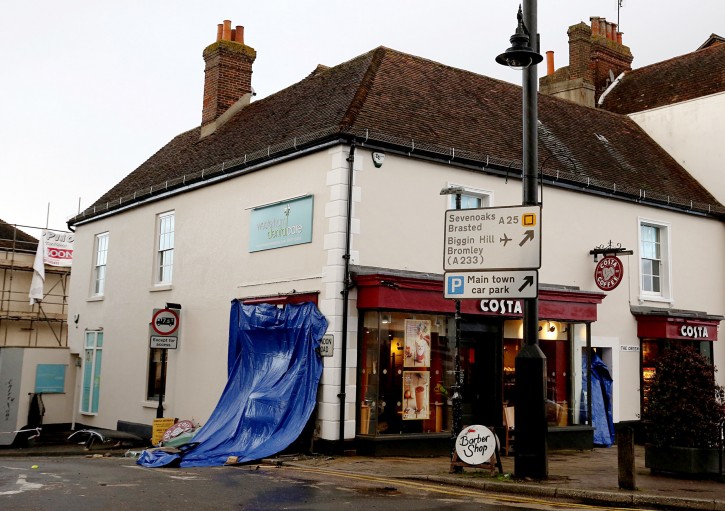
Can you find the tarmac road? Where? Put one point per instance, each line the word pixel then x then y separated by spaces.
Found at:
pixel 110 483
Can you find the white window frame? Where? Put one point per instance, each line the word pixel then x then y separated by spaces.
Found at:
pixel 100 264
pixel 665 261
pixel 91 370
pixel 485 196
pixel 164 259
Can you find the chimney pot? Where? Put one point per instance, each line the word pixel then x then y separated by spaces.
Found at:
pixel 550 62
pixel 619 37
pixel 603 27
pixel 227 31
pixel 239 34
pixel 219 29
pixel 609 31
pixel 595 25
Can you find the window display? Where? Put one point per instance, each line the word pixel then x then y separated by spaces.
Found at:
pixel 405 371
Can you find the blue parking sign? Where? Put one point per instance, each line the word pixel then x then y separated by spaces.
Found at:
pixel 455 285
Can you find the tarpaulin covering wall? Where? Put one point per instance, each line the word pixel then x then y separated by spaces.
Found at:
pixel 274 371
pixel 602 417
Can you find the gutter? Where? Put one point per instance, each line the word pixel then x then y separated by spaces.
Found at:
pixel 163 193
pixel 346 286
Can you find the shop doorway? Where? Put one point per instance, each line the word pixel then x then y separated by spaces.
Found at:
pixel 481 358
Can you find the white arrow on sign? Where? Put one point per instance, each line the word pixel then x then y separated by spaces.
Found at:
pixel 482 285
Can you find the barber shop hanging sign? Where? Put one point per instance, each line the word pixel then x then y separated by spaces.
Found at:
pixel 608 273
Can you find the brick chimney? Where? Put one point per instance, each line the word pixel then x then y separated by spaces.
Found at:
pixel 596 53
pixel 227 76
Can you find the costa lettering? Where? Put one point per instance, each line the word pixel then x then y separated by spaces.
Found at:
pixel 608 273
pixel 501 306
pixel 694 332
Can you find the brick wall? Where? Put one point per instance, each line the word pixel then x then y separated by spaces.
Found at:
pixel 227 77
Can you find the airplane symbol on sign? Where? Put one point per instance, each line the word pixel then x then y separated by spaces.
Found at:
pixel 505 239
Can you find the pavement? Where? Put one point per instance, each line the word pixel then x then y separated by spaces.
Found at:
pixel 589 477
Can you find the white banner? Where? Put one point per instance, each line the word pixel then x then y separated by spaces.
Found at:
pixel 57 248
pixel 54 248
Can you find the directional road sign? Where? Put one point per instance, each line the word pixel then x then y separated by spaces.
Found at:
pixel 504 238
pixel 491 284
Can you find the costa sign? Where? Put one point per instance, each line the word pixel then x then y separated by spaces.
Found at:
pixel 694 332
pixel 608 273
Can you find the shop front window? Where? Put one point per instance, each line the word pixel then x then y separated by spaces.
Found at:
pixel 652 350
pixel 404 374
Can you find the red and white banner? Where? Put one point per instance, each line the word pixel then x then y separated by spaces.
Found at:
pixel 54 248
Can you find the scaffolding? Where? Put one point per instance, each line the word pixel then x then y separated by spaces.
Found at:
pixel 45 323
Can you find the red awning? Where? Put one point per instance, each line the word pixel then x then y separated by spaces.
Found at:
pixel 425 294
pixel 654 323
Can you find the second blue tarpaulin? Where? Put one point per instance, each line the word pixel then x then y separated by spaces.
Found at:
pixel 274 370
pixel 602 417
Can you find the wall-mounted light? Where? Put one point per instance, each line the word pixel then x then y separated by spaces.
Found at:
pixel 551 328
pixel 385 319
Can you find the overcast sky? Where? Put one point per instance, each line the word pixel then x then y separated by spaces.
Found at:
pixel 92 88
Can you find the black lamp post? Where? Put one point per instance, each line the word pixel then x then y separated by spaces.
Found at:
pixel 456 397
pixel 530 391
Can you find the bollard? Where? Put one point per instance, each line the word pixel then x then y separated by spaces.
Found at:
pixel 625 458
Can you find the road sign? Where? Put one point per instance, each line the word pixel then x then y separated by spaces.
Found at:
pixel 163 342
pixel 164 321
pixel 326 345
pixel 491 284
pixel 504 238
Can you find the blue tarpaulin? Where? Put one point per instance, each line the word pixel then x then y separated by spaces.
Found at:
pixel 602 418
pixel 273 374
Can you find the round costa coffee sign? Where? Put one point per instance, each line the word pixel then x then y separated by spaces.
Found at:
pixel 475 444
pixel 608 273
pixel 165 321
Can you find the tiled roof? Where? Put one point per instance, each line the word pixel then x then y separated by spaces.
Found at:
pixel 12 238
pixel 408 102
pixel 689 76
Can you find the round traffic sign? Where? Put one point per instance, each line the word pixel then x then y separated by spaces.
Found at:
pixel 165 321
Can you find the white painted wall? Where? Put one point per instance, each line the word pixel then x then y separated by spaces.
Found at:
pixel 691 131
pixel 397 223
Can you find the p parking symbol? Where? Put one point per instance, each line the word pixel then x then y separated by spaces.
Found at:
pixel 455 285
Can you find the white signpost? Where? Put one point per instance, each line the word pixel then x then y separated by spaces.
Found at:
pixel 492 252
pixel 491 284
pixel 505 238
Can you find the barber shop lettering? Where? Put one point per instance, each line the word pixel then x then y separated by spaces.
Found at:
pixel 473 445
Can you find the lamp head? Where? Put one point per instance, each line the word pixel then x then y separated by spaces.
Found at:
pixel 520 55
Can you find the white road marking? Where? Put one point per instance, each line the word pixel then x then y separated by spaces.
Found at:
pixel 24 486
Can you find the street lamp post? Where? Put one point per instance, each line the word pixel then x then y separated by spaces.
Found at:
pixel 530 391
pixel 456 397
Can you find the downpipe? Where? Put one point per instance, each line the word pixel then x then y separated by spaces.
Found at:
pixel 346 286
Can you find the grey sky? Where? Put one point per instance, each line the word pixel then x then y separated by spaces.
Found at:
pixel 91 89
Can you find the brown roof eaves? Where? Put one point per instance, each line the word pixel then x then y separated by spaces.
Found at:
pixel 413 106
